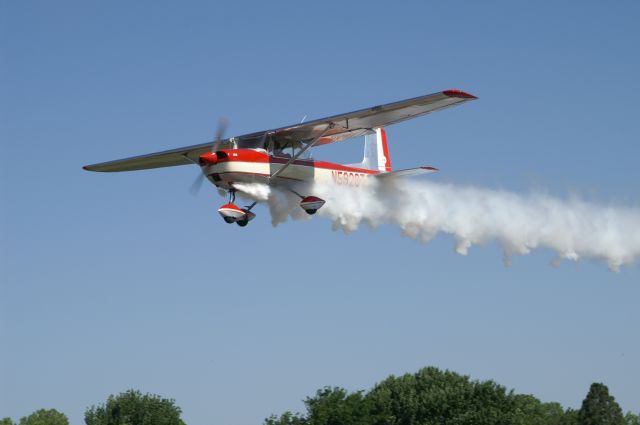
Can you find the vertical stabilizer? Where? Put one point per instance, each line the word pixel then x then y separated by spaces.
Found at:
pixel 376 151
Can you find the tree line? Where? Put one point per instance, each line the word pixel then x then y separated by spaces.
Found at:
pixel 435 397
pixel 128 408
pixel 429 397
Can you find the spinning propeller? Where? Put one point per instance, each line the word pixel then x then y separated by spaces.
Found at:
pixel 222 126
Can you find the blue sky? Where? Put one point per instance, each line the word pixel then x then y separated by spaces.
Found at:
pixel 117 281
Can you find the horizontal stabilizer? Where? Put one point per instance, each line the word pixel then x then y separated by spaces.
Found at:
pixel 409 172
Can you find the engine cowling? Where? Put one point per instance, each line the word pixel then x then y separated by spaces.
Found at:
pixel 208 158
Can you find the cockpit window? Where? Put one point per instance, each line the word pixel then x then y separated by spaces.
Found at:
pixel 279 149
pixel 288 150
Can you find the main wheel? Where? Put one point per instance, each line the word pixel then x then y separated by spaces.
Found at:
pixel 242 222
pixel 228 220
pixel 311 212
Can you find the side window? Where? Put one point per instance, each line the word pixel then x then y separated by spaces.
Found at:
pixel 280 150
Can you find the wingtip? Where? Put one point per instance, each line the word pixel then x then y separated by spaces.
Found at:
pixel 459 94
pixel 430 169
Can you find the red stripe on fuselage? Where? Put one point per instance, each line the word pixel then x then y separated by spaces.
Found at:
pixel 250 155
pixel 248 173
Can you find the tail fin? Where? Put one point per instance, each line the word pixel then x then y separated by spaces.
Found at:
pixel 376 152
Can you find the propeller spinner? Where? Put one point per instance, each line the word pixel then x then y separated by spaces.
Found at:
pixel 210 157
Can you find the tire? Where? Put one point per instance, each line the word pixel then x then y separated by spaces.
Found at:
pixel 242 222
pixel 311 212
pixel 228 220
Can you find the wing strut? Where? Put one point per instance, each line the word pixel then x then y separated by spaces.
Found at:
pixel 302 151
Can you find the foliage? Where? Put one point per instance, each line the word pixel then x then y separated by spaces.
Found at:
pixel 134 408
pixel 287 418
pixel 45 417
pixel 335 406
pixel 631 419
pixel 435 397
pixel 571 417
pixel 330 406
pixel 428 397
pixel 600 408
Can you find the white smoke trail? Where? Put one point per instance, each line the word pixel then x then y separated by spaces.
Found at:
pixel 254 191
pixel 284 204
pixel 574 229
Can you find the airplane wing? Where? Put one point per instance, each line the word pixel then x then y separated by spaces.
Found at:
pixel 362 122
pixel 342 127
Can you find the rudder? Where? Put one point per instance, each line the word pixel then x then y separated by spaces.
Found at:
pixel 376 151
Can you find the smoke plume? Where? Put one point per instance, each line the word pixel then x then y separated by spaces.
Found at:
pixel 573 228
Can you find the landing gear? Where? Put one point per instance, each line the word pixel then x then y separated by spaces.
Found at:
pixel 311 204
pixel 231 213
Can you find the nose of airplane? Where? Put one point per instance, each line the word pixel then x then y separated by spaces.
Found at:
pixel 208 158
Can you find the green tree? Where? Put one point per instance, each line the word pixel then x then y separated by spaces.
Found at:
pixel 432 396
pixel 529 410
pixel 6 421
pixel 335 406
pixel 553 414
pixel 134 408
pixel 600 408
pixel 631 419
pixel 428 397
pixel 45 417
pixel 287 418
pixel 330 406
pixel 571 417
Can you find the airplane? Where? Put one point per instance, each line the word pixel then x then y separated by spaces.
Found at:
pixel 280 157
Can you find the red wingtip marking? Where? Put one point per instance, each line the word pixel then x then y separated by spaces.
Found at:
pixel 458 93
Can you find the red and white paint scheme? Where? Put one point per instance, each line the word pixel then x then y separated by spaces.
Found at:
pixel 311 204
pixel 279 157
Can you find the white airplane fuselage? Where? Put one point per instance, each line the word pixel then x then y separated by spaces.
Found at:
pixel 257 166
